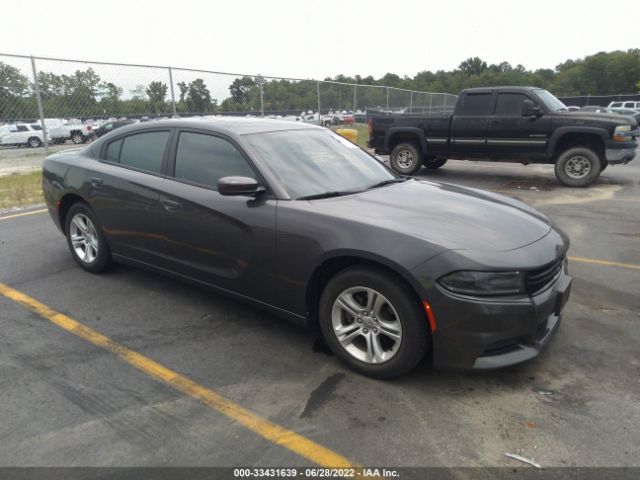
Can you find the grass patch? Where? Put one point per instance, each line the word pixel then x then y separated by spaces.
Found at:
pixel 362 129
pixel 18 190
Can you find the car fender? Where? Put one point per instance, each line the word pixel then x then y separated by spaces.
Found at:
pixel 562 131
pixel 410 130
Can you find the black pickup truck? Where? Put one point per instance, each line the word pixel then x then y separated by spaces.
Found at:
pixel 513 124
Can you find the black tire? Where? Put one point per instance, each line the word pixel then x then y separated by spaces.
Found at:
pixel 415 336
pixel 102 260
pixel 34 142
pixel 434 163
pixel 77 138
pixel 578 167
pixel 406 158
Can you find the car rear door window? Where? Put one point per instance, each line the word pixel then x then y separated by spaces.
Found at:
pixel 476 104
pixel 113 151
pixel 205 159
pixel 22 128
pixel 144 151
pixel 510 104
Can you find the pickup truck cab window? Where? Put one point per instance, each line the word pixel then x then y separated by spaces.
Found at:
pixel 476 104
pixel 205 159
pixel 510 104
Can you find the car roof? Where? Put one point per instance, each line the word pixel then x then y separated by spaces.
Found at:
pixel 493 89
pixel 228 125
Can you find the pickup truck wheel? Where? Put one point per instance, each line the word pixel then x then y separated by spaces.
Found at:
pixel 578 167
pixel 77 137
pixel 34 142
pixel 405 158
pixel 435 163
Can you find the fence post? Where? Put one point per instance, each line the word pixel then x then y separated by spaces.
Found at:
pixel 411 103
pixel 355 101
pixel 261 100
pixel 173 95
pixel 430 102
pixel 387 88
pixel 36 86
pixel 318 89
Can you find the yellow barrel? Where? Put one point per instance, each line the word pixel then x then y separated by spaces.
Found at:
pixel 348 133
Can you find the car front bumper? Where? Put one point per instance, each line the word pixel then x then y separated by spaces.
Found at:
pixel 621 153
pixel 484 334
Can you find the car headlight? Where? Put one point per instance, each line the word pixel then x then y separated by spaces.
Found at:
pixel 622 133
pixel 484 283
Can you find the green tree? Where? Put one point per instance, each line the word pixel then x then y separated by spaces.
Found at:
pixel 14 92
pixel 157 91
pixel 240 89
pixel 473 66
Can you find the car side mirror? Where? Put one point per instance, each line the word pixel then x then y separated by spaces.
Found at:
pixel 530 109
pixel 239 186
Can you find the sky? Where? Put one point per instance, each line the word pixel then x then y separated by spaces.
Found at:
pixel 316 39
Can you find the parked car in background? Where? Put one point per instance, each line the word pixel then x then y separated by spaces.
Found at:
pixel 596 109
pixel 60 131
pixel 631 113
pixel 316 119
pixel 516 124
pixel 301 222
pixel 633 105
pixel 111 126
pixel 22 134
pixel 573 108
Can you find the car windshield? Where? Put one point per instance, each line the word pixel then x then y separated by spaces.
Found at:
pixel 318 163
pixel 550 101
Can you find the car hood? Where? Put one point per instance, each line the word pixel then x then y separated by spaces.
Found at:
pixel 597 119
pixel 451 216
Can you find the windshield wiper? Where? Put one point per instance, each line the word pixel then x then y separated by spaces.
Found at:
pixel 388 182
pixel 316 196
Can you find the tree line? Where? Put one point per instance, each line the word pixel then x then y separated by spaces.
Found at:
pixel 84 94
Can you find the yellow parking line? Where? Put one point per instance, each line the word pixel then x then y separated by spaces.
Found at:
pixel 274 433
pixel 604 262
pixel 24 214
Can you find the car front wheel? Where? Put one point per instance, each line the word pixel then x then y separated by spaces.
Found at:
pixel 86 241
pixel 372 323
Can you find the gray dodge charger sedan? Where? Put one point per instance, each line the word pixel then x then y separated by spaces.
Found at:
pixel 298 220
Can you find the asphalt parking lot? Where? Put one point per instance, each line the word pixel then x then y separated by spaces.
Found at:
pixel 66 402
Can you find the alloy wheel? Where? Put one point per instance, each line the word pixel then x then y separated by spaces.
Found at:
pixel 84 238
pixel 367 325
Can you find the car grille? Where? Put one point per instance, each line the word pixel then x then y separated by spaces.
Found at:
pixel 539 279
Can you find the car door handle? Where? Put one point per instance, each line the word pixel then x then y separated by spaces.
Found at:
pixel 96 182
pixel 169 205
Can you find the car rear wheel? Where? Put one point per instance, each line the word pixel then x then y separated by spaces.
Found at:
pixel 405 159
pixel 434 163
pixel 372 323
pixel 86 241
pixel 578 167
pixel 77 138
pixel 35 142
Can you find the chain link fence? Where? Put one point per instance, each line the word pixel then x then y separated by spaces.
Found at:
pixel 48 101
pixel 600 100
